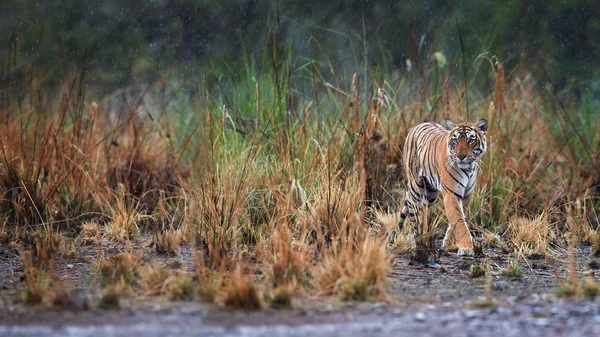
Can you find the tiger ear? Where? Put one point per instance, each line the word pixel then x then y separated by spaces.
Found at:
pixel 448 124
pixel 482 124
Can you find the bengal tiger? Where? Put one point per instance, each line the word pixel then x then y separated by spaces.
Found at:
pixel 443 159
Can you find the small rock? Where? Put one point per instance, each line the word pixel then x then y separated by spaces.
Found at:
pixel 420 317
pixel 70 266
pixel 470 313
pixel 397 312
pixel 541 322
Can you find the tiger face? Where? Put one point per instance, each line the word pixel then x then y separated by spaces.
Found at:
pixel 466 142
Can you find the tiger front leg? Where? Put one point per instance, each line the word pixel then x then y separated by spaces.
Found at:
pixel 457 235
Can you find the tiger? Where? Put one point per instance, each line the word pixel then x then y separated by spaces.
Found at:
pixel 443 159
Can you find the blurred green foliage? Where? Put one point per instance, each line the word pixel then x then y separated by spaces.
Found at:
pixel 124 40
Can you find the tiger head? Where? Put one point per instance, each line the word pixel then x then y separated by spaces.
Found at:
pixel 466 142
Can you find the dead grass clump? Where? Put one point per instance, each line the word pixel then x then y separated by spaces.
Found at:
pixel 355 272
pixel 281 297
pixel 41 286
pixel 208 281
pixel 167 242
pixel 90 233
pixel 402 240
pixel 241 291
pixel 68 249
pixel 152 279
pixel 530 236
pixel 335 204
pixel 22 199
pixel 124 219
pixel 122 266
pixel 180 287
pixel 111 295
pixel 36 282
pixel 45 249
pixel 491 239
pixel 144 167
pixel 287 259
pixel 379 165
pixel 214 214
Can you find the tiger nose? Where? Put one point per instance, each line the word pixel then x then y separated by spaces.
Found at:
pixel 461 156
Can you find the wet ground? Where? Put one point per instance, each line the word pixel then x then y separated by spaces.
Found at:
pixel 443 302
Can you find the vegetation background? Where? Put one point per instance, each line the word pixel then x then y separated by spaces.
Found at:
pixel 264 138
pixel 120 41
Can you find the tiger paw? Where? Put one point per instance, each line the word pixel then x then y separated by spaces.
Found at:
pixel 465 253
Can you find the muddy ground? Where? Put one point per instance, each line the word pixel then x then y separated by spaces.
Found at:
pixel 442 302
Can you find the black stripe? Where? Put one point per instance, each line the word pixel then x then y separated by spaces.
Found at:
pixel 457 181
pixel 472 185
pixel 417 134
pixel 414 194
pixel 453 192
pixel 432 189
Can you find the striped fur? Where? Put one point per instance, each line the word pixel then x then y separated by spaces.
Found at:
pixel 443 159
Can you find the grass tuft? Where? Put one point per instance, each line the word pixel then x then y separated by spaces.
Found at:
pixel 152 279
pixel 478 269
pixel 180 287
pixel 281 298
pixel 512 270
pixel 111 295
pixel 355 273
pixel 119 267
pixel 167 242
pixel 241 291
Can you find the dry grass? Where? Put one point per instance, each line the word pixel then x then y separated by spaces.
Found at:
pixel 111 295
pixel 124 219
pixel 354 272
pixel 287 259
pixel 308 198
pixel 167 242
pixel 42 286
pixel 281 297
pixel 214 215
pixel 241 291
pixel 90 233
pixel 208 280
pixel 180 287
pixel 36 283
pixel 530 235
pixel 153 278
pixel 119 267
